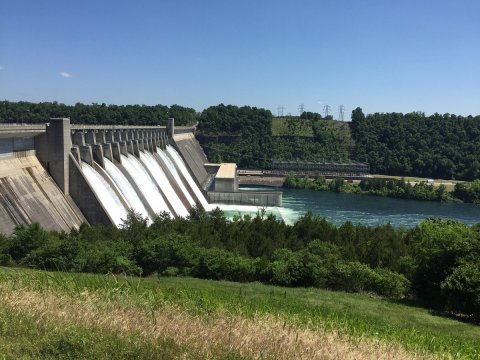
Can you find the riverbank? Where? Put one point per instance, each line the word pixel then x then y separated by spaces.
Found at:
pixel 393 188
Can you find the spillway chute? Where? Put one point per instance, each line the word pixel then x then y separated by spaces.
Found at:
pixel 109 199
pixel 178 161
pixel 146 184
pixel 127 189
pixel 163 183
pixel 170 166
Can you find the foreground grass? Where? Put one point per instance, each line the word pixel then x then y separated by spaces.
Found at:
pixel 50 315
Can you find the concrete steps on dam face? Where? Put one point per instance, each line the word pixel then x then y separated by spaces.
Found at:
pixel 29 194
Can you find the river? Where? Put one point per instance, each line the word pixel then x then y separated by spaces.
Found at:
pixel 368 210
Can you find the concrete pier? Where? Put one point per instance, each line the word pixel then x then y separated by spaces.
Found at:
pixel 226 178
pixel 53 151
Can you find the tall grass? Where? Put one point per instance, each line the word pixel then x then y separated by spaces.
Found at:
pixel 351 318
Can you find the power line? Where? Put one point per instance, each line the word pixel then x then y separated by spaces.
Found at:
pixel 280 111
pixel 301 108
pixel 341 113
pixel 326 110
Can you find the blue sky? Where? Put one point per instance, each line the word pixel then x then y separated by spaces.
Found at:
pixel 384 56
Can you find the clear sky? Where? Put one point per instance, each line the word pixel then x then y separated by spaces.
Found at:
pixel 382 55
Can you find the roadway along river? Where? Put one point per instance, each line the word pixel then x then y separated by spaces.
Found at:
pixel 368 210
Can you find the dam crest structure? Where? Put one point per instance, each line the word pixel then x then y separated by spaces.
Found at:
pixel 62 175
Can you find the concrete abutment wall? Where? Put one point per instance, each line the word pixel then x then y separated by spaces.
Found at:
pixel 269 198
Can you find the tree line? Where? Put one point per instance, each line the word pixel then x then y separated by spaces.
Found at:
pixel 438 146
pixel 394 188
pixel 26 112
pixel 436 264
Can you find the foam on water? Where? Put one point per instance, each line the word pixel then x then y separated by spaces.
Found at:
pixel 230 210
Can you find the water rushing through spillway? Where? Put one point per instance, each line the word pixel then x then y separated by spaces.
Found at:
pixel 152 184
pixel 145 182
pixel 126 189
pixel 230 210
pixel 178 161
pixel 107 196
pixel 173 171
pixel 162 181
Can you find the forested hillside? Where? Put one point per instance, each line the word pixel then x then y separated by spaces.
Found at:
pixel 252 137
pixel 236 134
pixel 439 146
pixel 27 112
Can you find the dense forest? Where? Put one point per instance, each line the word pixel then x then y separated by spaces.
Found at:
pixel 437 146
pixel 26 112
pixel 435 263
pixel 236 134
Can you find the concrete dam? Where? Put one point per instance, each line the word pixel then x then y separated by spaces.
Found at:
pixel 62 175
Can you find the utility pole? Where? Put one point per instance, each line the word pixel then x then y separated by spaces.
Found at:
pixel 301 108
pixel 341 113
pixel 280 111
pixel 326 110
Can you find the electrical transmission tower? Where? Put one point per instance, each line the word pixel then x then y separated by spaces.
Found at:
pixel 301 108
pixel 326 110
pixel 341 113
pixel 280 111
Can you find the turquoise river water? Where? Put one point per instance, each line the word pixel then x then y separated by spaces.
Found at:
pixel 369 210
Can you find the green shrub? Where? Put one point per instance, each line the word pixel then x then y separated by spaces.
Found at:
pixel 285 268
pixel 390 284
pixel 222 265
pixel 171 271
pixel 461 289
pixel 26 239
pixel 439 246
pixel 357 277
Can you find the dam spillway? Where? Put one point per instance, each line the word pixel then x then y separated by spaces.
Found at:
pixel 63 175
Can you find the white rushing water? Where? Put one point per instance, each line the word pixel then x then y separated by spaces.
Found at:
pixel 173 170
pixel 177 159
pixel 107 196
pixel 230 210
pixel 145 183
pixel 126 189
pixel 162 181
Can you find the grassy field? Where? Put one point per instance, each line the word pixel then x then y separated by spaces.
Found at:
pixel 58 315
